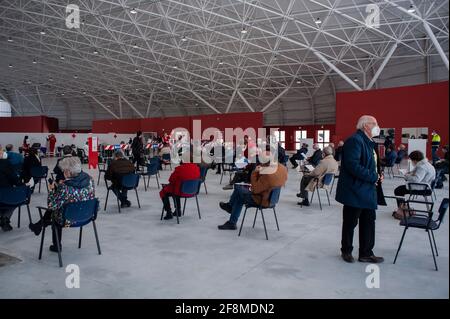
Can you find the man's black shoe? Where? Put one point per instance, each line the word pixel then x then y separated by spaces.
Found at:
pixel 168 216
pixel 371 259
pixel 54 248
pixel 228 226
pixel 35 228
pixel 299 195
pixel 348 258
pixel 305 202
pixel 6 227
pixel 226 207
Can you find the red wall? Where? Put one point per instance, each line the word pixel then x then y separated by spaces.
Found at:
pixel 29 124
pixel 311 133
pixel 219 121
pixel 405 107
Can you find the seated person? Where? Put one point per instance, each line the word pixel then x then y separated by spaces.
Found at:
pixel 441 167
pixel 119 167
pixel 327 165
pixel 264 178
pixel 77 186
pixel 59 174
pixel 31 160
pixel 338 151
pixel 14 158
pixel 245 170
pixel 423 172
pixel 401 154
pixel 390 158
pixel 316 157
pixel 184 172
pixel 299 156
pixel 8 178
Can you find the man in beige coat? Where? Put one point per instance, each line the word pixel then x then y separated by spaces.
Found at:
pixel 263 179
pixel 327 165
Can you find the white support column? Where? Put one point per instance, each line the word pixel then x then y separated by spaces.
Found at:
pixel 206 102
pixel 132 107
pixel 245 101
pixel 231 101
pixel 436 44
pixel 275 99
pixel 382 66
pixel 332 66
pixel 105 107
pixel 150 100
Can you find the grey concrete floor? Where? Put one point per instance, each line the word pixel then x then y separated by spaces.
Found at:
pixel 143 257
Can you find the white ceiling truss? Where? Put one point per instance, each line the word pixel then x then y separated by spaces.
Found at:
pixel 186 57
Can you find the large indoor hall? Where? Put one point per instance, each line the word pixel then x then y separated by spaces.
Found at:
pixel 240 150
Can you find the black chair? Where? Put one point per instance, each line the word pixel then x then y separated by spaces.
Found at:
pixel 152 170
pixel 420 190
pixel 203 173
pixel 102 167
pixel 326 182
pixel 190 189
pixel 423 219
pixel 129 182
pixel 38 173
pixel 274 197
pixel 230 168
pixel 73 215
pixel 336 176
pixel 166 160
pixel 16 197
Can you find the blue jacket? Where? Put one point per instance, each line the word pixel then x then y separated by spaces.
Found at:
pixel 15 158
pixel 358 175
pixel 391 157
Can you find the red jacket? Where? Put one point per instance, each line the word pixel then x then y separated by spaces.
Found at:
pixel 182 173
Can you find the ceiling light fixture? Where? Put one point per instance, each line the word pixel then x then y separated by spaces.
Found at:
pixel 137 70
pixel 95 52
pixel 75 76
pixel 318 21
pixel 10 39
pixel 42 32
pixel 184 39
pixel 34 61
pixel 10 65
pixel 220 62
pixel 133 11
pixel 62 57
pixel 356 79
pixel 411 9
pixel 135 46
pixel 244 30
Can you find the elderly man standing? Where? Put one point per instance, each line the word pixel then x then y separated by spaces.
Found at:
pixel 327 165
pixel 357 190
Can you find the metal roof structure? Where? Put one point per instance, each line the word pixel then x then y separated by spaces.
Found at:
pixel 149 58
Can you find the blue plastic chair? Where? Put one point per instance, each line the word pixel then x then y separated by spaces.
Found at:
pixel 38 173
pixel 152 170
pixel 274 198
pixel 203 173
pixel 16 197
pixel 190 189
pixel 327 181
pixel 74 215
pixel 129 182
pixel 423 219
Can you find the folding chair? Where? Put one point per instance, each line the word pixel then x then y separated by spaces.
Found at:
pixel 74 215
pixel 189 189
pixel 274 198
pixel 16 197
pixel 152 170
pixel 326 182
pixel 38 173
pixel 129 182
pixel 423 219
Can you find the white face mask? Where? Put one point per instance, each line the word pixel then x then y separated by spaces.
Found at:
pixel 5 155
pixel 376 131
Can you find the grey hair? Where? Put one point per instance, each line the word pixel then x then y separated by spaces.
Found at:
pixel 71 164
pixel 363 120
pixel 119 154
pixel 328 150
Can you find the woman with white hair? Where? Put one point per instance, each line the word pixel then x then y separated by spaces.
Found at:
pixel 77 186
